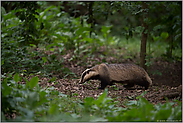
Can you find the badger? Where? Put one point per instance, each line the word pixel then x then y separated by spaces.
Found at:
pixel 108 74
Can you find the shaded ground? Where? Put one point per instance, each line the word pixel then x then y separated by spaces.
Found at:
pixel 169 84
pixel 171 73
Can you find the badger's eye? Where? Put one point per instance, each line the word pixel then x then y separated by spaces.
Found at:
pixel 87 72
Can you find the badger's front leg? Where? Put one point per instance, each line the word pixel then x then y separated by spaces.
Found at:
pixel 103 84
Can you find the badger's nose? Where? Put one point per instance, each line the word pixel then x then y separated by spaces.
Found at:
pixel 80 81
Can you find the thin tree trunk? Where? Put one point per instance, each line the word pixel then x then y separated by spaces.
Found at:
pixel 91 15
pixel 143 37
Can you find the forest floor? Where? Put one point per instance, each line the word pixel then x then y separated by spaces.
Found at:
pixel 167 84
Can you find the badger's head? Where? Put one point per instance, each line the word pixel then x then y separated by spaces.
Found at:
pixel 88 74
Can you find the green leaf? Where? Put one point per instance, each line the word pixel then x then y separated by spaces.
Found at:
pixel 176 113
pixel 52 49
pixel 141 95
pixel 2 62
pixel 42 14
pixel 32 99
pixel 82 30
pixel 50 45
pixel 52 79
pixel 42 97
pixel 164 112
pixel 133 102
pixel 177 36
pixel 53 109
pixel 27 82
pixel 44 59
pixel 164 35
pixel 62 95
pixel 3 11
pixel 102 99
pixel 106 29
pixel 88 101
pixel 33 45
pixel 16 77
pixel 5 90
pixel 126 28
pixel 61 49
pixel 33 82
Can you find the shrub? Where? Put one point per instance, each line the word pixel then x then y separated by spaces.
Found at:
pixel 31 103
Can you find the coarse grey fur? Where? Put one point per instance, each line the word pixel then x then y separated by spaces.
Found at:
pixel 108 74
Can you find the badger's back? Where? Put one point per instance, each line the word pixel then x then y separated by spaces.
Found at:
pixel 127 72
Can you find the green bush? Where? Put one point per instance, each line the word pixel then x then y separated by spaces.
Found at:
pixel 21 56
pixel 31 103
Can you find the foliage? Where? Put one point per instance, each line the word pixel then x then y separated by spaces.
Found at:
pixel 30 102
pixel 164 23
pixel 61 34
pixel 17 48
pixel 167 20
pixel 16 34
pixel 24 30
pixel 34 38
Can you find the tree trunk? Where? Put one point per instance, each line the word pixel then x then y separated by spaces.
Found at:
pixel 143 37
pixel 91 16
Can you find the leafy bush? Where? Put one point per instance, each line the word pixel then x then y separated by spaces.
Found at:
pixel 15 56
pixel 20 55
pixel 58 33
pixel 29 102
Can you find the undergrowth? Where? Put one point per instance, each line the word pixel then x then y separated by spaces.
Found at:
pixel 157 49
pixel 30 102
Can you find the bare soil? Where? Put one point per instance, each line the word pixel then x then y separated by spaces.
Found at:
pixel 169 84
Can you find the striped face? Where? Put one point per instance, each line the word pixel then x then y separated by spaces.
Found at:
pixel 87 75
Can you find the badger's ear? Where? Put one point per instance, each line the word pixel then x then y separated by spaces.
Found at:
pixel 88 70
